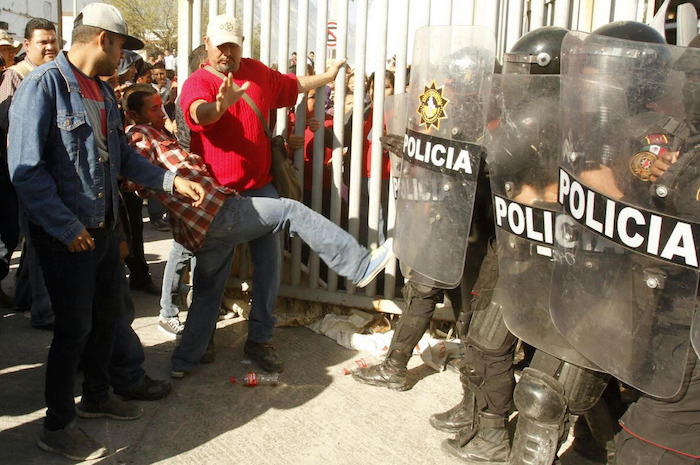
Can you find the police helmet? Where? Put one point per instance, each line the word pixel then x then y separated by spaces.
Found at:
pixel 642 64
pixel 537 52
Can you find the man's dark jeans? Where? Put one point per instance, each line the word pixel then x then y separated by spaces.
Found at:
pixel 86 291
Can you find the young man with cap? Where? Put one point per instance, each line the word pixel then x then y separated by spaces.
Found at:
pixel 66 149
pixel 232 141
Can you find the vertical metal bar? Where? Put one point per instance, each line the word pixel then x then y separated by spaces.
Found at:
pixel 282 63
pixel 625 10
pixel 466 13
pixel 265 30
pixel 399 88
pixel 299 130
pixel 514 29
pixel 585 18
pixel 562 11
pixel 423 11
pixel 486 14
pixel 248 17
pixel 357 123
pixel 213 9
pixel 602 13
pixel 230 8
pixel 196 23
pixel 536 14
pixel 320 114
pixel 184 47
pixel 377 154
pixel 448 11
pixel 575 14
pixel 338 123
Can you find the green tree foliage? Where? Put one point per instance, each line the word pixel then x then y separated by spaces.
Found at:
pixel 153 21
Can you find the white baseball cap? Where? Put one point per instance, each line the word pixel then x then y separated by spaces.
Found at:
pixel 224 29
pixel 110 19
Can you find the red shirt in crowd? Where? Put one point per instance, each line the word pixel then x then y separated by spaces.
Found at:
pixel 235 149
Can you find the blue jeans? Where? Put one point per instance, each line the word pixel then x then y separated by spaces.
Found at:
pixel 246 219
pixel 126 368
pixel 87 298
pixel 172 279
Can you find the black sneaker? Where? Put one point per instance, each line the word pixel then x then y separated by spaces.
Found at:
pixel 112 408
pixel 146 389
pixel 71 442
pixel 264 355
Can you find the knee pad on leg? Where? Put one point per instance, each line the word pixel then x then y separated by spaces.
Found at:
pixel 540 397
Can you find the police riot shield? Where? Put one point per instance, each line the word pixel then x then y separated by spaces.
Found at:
pixel 395 115
pixel 626 275
pixel 522 146
pixel 448 98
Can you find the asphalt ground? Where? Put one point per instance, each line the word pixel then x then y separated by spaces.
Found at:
pixel 317 415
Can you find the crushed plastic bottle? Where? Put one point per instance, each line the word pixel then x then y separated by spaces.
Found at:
pixel 360 364
pixel 259 379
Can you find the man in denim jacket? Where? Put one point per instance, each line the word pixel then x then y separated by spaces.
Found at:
pixel 66 149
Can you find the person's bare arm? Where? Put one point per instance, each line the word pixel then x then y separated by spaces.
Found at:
pixel 306 83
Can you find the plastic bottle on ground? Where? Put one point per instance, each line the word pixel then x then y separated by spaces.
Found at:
pixel 259 379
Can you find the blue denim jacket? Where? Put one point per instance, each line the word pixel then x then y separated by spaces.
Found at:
pixel 53 158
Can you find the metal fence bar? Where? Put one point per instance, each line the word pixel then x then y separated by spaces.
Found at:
pixel 196 23
pixel 299 130
pixel 338 125
pixel 248 16
pixel 625 10
pixel 282 63
pixel 514 28
pixel 377 154
pixel 537 11
pixel 562 13
pixel 602 13
pixel 355 152
pixel 265 30
pixel 401 22
pixel 213 9
pixel 230 8
pixel 184 43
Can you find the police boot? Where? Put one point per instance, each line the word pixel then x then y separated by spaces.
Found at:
pixel 486 443
pixel 459 417
pixel 390 373
pixel 540 400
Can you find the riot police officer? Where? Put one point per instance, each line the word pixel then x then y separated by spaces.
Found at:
pixel 438 188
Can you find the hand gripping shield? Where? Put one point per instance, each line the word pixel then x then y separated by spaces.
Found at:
pixel 448 98
pixel 625 294
pixel 522 146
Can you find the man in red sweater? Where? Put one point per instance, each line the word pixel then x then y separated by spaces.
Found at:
pixel 228 135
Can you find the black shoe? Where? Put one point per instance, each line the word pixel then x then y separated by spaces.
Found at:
pixel 160 224
pixel 264 355
pixel 146 286
pixel 391 373
pixel 457 418
pixel 71 442
pixel 486 443
pixel 112 408
pixel 146 389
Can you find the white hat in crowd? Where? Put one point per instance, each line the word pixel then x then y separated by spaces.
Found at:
pixel 7 39
pixel 224 29
pixel 110 19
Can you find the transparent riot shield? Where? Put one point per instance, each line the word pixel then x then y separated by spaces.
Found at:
pixel 624 294
pixel 395 115
pixel 448 98
pixel 522 148
pixel 695 333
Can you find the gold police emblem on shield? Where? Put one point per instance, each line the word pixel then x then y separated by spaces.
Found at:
pixel 432 106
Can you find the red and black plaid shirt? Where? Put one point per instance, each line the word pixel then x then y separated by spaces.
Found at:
pixel 190 224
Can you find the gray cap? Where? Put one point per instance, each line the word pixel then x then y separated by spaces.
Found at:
pixel 110 19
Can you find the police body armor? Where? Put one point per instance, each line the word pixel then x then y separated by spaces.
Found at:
pixel 447 103
pixel 523 149
pixel 625 297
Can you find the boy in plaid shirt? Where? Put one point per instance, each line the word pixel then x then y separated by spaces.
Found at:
pixel 225 220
